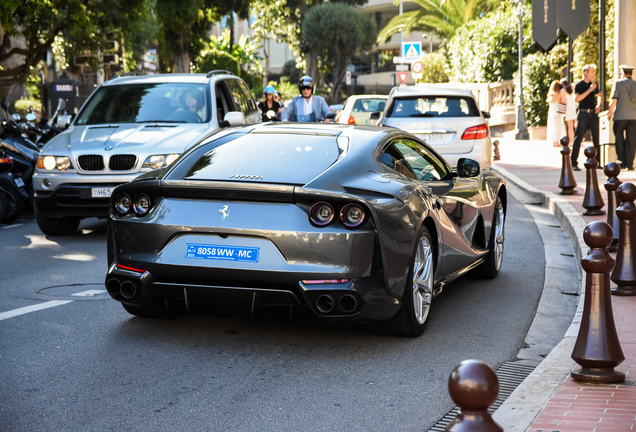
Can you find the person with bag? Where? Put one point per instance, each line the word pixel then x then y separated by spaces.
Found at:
pixel 567 94
pixel 556 112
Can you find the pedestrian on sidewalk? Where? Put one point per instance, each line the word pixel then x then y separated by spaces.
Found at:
pixel 623 109
pixel 556 111
pixel 590 102
pixel 570 108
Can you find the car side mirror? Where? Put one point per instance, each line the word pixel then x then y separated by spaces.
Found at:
pixel 330 116
pixel 375 115
pixel 467 168
pixel 234 118
pixel 486 114
pixel 64 121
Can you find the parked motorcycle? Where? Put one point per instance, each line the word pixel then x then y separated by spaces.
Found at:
pixel 13 193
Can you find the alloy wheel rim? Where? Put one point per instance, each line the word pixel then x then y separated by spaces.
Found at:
pixel 423 280
pixel 499 235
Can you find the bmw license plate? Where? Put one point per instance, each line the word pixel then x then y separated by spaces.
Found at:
pixel 225 253
pixel 102 192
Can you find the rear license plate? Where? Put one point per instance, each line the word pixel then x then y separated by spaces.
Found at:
pixel 225 253
pixel 102 192
pixel 433 138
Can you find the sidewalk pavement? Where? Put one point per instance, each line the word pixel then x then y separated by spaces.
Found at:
pixel 549 399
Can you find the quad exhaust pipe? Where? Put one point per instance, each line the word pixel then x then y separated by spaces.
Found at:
pixel 344 304
pixel 127 289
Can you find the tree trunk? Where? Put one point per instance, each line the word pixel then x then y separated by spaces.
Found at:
pixel 182 63
pixel 312 65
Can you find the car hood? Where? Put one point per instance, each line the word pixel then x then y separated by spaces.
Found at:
pixel 127 138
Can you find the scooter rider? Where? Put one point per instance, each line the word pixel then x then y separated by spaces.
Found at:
pixel 307 107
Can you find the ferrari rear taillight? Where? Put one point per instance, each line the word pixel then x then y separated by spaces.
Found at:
pixel 475 132
pixel 136 270
pixel 139 205
pixel 352 215
pixel 351 120
pixel 321 214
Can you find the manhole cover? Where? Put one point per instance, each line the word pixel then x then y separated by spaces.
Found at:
pixel 94 291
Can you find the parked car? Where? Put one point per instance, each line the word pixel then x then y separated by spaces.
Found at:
pixel 358 108
pixel 128 126
pixel 354 223
pixel 445 116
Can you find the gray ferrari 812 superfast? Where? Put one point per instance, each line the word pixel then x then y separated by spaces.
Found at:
pixel 353 223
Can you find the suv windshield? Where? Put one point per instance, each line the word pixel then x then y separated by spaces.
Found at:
pixel 147 103
pixel 434 106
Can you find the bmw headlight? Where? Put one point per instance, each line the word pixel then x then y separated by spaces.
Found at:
pixel 60 163
pixel 159 161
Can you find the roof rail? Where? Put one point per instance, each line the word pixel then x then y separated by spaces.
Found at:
pixel 219 71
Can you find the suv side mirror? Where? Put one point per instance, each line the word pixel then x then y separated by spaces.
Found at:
pixel 234 118
pixel 467 168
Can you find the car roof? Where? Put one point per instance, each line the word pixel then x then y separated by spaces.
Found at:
pixel 169 78
pixel 431 90
pixel 368 96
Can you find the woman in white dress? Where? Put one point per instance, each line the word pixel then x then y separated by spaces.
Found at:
pixel 556 127
pixel 570 111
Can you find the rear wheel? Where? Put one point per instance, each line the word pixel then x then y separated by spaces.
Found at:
pixel 4 204
pixel 412 317
pixel 14 205
pixel 489 269
pixel 56 226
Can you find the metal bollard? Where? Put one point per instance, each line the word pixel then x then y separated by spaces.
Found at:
pixel 567 182
pixel 497 155
pixel 624 273
pixel 597 348
pixel 473 385
pixel 612 170
pixel 593 200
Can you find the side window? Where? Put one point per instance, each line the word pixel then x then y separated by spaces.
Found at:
pixel 223 102
pixel 237 96
pixel 391 157
pixel 251 103
pixel 423 163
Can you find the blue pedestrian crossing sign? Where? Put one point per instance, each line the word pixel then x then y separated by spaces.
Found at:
pixel 412 50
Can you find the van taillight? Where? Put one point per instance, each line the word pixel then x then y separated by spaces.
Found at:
pixel 475 132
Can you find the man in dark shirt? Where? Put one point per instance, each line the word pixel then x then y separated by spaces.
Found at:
pixel 587 117
pixel 622 110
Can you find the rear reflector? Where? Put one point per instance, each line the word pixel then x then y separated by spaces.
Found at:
pixel 475 132
pixel 131 268
pixel 325 281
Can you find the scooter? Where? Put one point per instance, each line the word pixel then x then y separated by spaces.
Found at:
pixel 52 128
pixel 13 193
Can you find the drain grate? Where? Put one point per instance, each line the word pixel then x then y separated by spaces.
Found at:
pixel 510 375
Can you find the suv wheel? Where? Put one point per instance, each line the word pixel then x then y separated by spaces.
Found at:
pixel 56 226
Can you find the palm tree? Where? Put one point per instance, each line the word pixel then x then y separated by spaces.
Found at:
pixel 441 17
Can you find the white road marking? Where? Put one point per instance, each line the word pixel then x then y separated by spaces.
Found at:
pixel 49 304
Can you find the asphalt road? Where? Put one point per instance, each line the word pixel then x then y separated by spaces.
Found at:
pixel 87 365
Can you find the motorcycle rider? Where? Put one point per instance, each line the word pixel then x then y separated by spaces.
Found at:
pixel 270 109
pixel 307 107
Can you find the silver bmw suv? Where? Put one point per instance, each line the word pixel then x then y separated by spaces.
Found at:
pixel 128 126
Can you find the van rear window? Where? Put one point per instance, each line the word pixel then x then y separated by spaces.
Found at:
pixel 434 106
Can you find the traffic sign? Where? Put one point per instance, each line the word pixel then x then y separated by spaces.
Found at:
pixel 416 67
pixel 401 60
pixel 401 68
pixel 403 76
pixel 412 50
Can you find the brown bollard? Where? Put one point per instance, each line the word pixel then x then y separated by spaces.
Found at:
pixel 597 349
pixel 624 273
pixel 612 170
pixel 593 200
pixel 497 155
pixel 567 182
pixel 473 386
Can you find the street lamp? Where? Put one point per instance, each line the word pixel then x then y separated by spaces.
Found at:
pixel 522 125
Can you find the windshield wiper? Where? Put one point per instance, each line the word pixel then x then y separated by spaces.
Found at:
pixel 422 115
pixel 161 121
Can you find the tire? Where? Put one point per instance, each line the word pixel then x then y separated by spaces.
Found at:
pixel 146 312
pixel 4 204
pixel 489 269
pixel 56 226
pixel 14 205
pixel 413 315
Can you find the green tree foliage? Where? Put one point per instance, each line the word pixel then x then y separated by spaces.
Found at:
pixel 434 70
pixel 336 32
pixel 486 50
pixel 441 17
pixel 85 25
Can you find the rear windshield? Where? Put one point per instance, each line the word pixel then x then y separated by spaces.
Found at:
pixel 146 103
pixel 434 106
pixel 369 105
pixel 268 158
